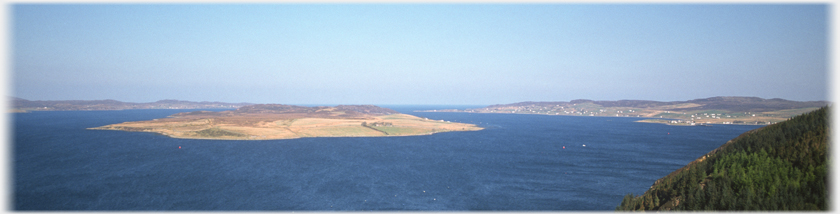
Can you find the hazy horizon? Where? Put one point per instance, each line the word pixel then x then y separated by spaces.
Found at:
pixel 404 104
pixel 418 54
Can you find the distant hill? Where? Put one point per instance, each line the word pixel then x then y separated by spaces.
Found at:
pixel 19 104
pixel 282 109
pixel 751 104
pixel 777 167
pixel 732 104
pixel 720 110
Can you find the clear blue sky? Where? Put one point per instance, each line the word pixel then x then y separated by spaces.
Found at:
pixel 417 53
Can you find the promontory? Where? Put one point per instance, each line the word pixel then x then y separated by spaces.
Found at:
pixel 277 121
pixel 713 110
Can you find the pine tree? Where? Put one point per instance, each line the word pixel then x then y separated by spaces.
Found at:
pixel 779 167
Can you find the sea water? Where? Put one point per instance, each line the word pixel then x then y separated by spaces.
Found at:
pixel 517 163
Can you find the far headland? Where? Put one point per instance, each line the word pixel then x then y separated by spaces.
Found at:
pixel 713 110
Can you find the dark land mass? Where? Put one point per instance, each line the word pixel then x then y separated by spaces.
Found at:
pixel 776 167
pixel 22 105
pixel 721 110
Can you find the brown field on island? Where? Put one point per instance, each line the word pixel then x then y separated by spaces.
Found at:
pixel 289 124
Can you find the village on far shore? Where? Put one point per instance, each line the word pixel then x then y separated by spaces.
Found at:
pixel 699 112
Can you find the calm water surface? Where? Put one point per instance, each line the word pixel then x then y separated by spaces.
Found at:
pixel 516 163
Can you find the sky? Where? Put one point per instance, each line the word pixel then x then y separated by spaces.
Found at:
pixel 452 54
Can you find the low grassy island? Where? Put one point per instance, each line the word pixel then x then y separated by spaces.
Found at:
pixel 275 121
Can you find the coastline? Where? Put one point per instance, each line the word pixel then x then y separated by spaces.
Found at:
pixel 209 129
pixel 643 119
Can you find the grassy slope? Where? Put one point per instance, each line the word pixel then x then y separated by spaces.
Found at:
pixel 777 167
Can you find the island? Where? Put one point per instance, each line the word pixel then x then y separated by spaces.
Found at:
pixel 697 112
pixel 278 121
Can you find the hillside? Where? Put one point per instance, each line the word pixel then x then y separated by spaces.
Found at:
pixel 714 110
pixel 277 121
pixel 20 105
pixel 777 167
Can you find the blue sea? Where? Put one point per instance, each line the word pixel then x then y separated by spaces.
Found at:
pixel 517 163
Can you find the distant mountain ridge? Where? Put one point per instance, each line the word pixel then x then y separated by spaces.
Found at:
pixel 749 104
pixel 109 104
pixel 285 109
